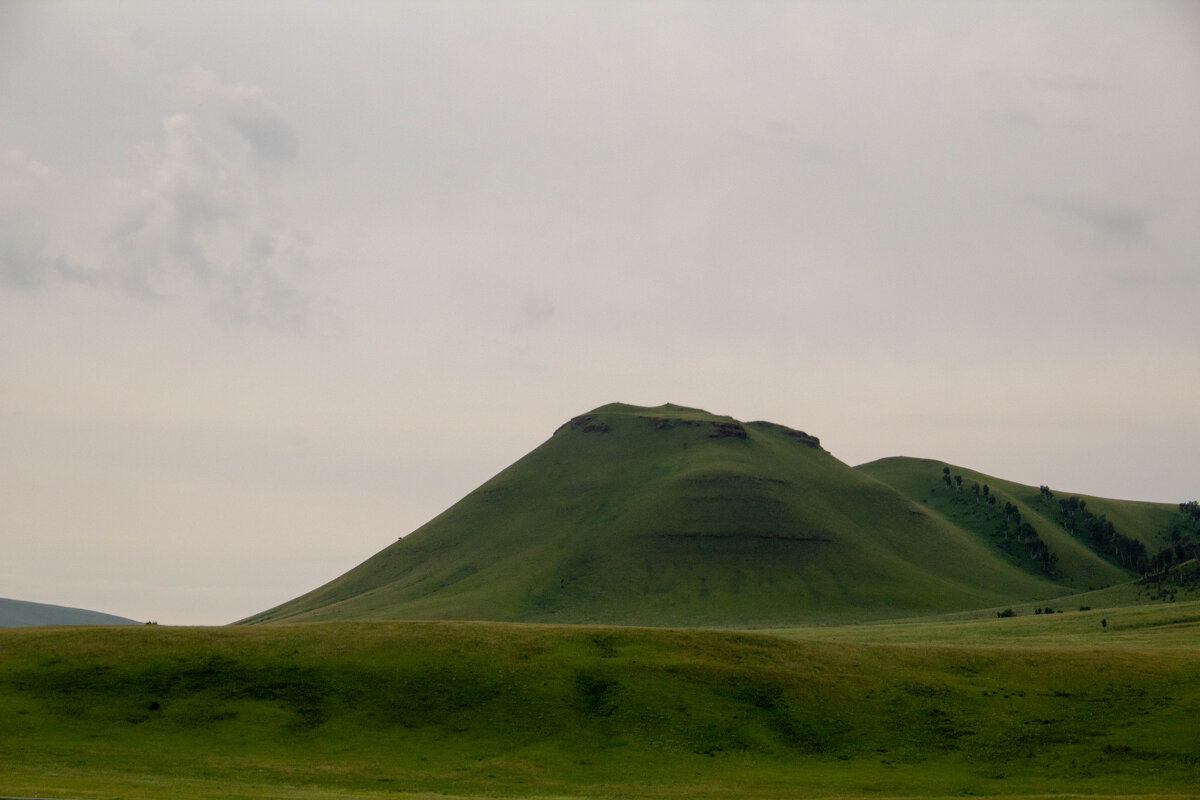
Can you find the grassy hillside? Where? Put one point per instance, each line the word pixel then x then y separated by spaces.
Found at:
pixel 673 516
pixel 489 710
pixel 16 613
pixel 1078 566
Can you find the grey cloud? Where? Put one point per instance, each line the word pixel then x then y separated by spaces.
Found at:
pixel 1016 119
pixel 125 50
pixel 1115 224
pixel 257 293
pixel 268 133
pixel 1112 222
pixel 18 167
pixel 270 136
pixel 535 312
pixel 1135 278
pixel 1076 83
pixel 260 296
pixel 23 267
pixel 24 263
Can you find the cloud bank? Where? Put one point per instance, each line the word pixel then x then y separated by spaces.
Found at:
pixel 198 223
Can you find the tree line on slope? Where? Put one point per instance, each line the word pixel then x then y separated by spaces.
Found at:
pixel 1182 548
pixel 1019 538
pixel 1013 535
pixel 1098 533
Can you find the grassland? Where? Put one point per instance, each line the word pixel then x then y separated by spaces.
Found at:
pixel 1143 627
pixel 420 709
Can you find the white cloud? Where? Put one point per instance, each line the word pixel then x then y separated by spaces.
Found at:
pixel 200 220
pixel 198 223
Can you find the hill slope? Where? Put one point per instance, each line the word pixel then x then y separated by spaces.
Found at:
pixel 1078 565
pixel 20 613
pixel 674 516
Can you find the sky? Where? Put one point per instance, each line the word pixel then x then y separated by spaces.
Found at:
pixel 281 281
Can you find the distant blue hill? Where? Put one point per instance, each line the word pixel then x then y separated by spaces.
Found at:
pixel 19 613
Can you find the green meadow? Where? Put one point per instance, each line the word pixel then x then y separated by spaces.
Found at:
pixel 1018 707
pixel 1162 625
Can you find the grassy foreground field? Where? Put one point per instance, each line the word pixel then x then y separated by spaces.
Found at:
pixel 402 709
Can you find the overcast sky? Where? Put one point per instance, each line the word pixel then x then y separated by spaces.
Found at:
pixel 281 281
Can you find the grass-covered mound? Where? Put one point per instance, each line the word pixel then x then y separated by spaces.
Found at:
pixel 19 613
pixel 674 516
pixel 469 709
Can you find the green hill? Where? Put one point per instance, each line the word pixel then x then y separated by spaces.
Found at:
pixel 1078 565
pixel 674 516
pixel 453 709
pixel 18 613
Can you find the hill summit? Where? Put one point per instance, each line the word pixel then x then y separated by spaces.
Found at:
pixel 671 515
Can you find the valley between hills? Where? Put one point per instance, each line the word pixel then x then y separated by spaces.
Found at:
pixel 665 603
